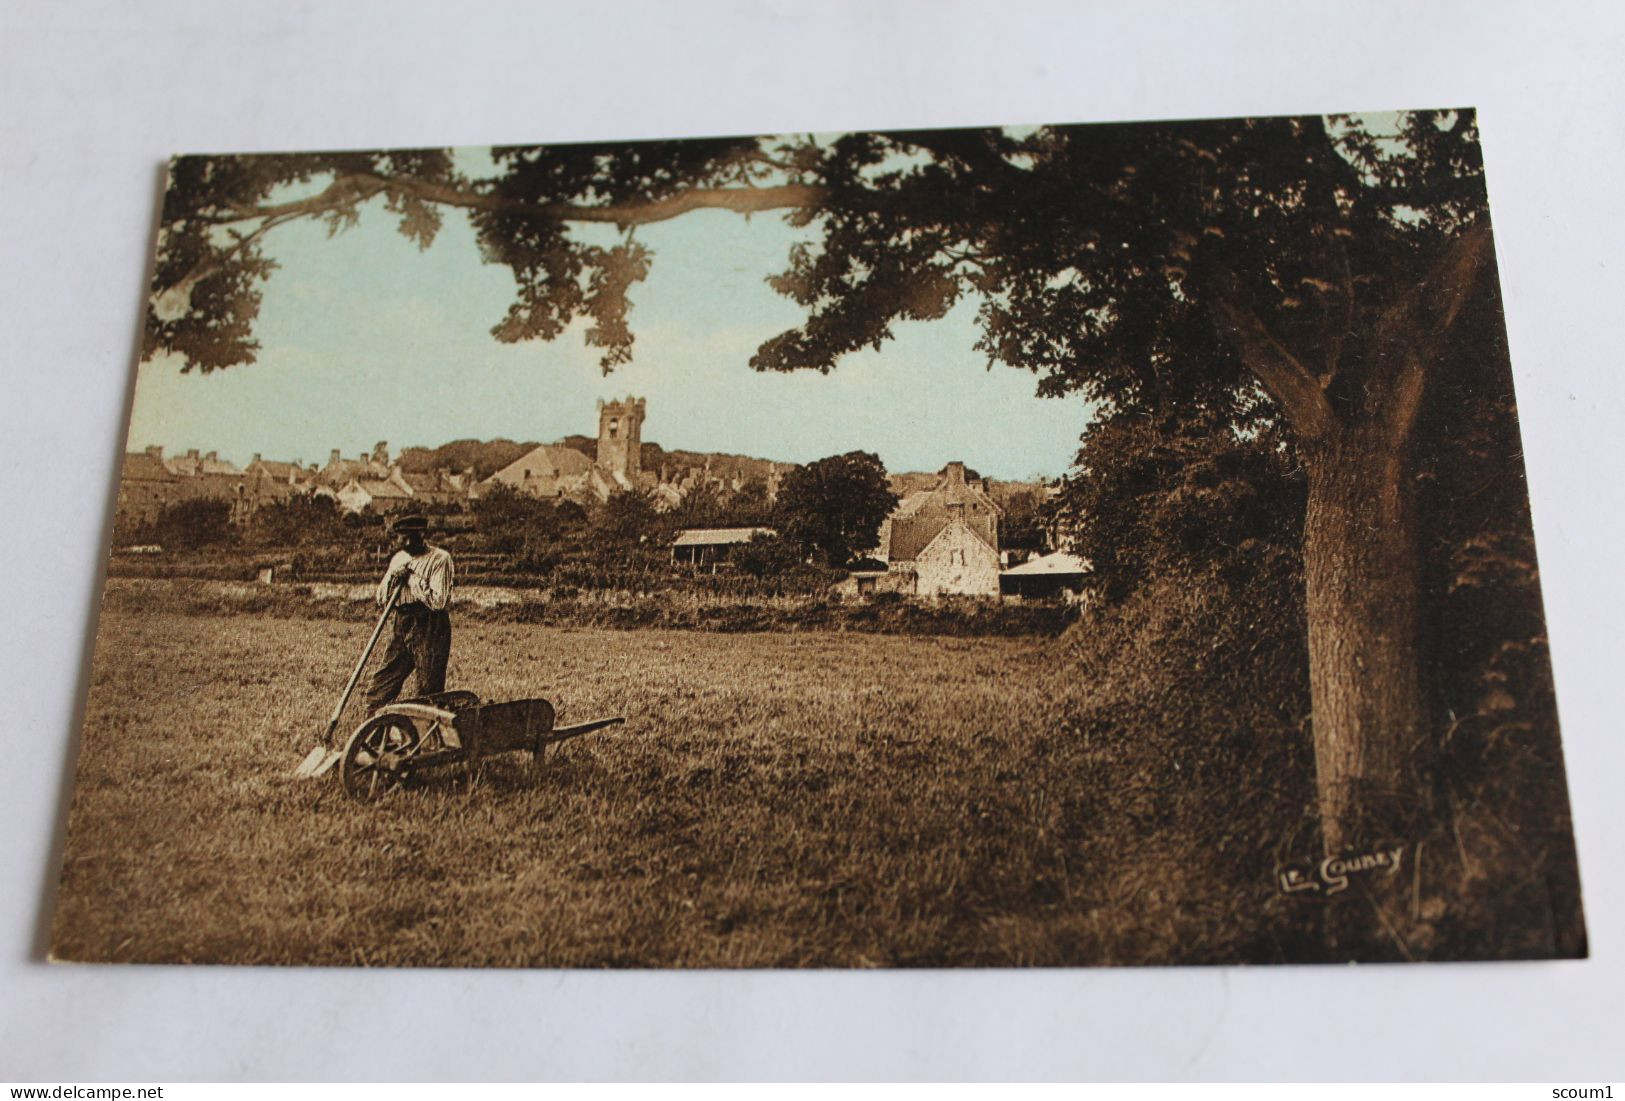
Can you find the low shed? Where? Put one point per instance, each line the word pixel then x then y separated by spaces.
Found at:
pixel 710 546
pixel 1045 576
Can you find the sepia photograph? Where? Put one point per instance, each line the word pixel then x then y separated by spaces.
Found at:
pixel 1001 547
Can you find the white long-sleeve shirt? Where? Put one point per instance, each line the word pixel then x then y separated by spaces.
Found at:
pixel 428 578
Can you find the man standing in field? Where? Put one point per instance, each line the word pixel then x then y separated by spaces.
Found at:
pixel 421 640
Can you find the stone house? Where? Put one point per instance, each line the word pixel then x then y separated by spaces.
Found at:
pixel 942 541
pixel 270 470
pixel 149 483
pixel 616 465
pixel 339 471
pixel 550 471
pixel 436 487
pixel 377 494
pixel 193 465
pixel 210 477
pixel 146 486
pixel 554 471
pixel 958 561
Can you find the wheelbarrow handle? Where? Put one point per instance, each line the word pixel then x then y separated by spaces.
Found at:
pixel 383 617
pixel 565 733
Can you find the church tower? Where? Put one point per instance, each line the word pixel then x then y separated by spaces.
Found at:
pixel 620 437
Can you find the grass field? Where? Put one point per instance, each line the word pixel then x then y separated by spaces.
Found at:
pixel 1123 794
pixel 784 799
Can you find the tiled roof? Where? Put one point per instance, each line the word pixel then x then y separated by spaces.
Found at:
pixel 142 467
pixel 948 527
pixel 187 466
pixel 921 515
pixel 547 461
pixel 279 470
pixel 345 469
pixel 382 488
pixel 911 504
pixel 425 481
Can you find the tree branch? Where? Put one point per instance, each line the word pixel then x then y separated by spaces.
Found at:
pixel 352 189
pixel 359 187
pixel 1411 331
pixel 1292 385
pixel 175 300
pixel 1405 400
pixel 1450 283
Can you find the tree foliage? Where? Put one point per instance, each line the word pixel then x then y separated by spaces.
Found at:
pixel 525 527
pixel 483 457
pixel 1023 520
pixel 300 520
pixel 1160 497
pixel 768 556
pixel 704 505
pixel 212 261
pixel 834 507
pixel 194 524
pixel 1134 264
pixel 751 505
pixel 627 517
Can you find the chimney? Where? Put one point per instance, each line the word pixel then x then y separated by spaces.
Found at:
pixel 192 453
pixel 333 459
pixel 212 456
pixel 380 452
pixel 156 451
pixel 956 474
pixel 257 458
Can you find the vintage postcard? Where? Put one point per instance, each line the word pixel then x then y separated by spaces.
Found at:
pixel 1039 546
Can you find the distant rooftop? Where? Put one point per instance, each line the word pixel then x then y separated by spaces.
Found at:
pixel 1051 565
pixel 712 537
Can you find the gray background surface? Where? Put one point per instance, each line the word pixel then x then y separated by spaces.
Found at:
pixel 93 98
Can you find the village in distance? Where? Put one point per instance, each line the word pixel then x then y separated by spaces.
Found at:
pixel 508 510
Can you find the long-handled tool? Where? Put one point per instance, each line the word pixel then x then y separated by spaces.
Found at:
pixel 323 757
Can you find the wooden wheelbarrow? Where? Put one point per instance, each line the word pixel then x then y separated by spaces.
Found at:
pixel 410 738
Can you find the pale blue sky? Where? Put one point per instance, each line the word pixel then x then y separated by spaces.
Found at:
pixel 364 338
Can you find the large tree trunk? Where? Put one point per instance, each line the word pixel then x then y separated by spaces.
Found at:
pixel 1362 578
pixel 1361 564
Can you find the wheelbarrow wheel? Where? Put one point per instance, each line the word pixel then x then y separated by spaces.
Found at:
pixel 376 757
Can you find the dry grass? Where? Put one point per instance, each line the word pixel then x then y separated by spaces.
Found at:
pixel 804 799
pixel 797 798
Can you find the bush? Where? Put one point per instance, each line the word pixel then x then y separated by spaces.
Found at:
pixel 304 520
pixel 190 525
pixel 767 556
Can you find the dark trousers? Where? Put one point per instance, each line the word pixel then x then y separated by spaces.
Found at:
pixel 421 641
